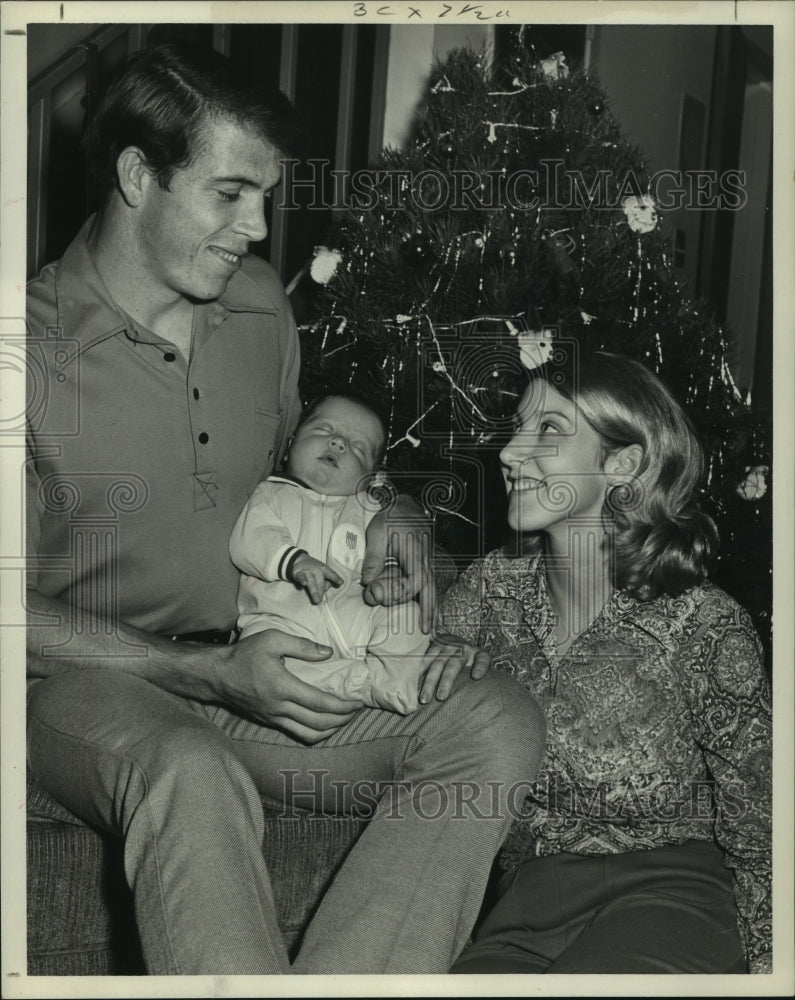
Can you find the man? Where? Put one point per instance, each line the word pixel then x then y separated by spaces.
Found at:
pixel 172 390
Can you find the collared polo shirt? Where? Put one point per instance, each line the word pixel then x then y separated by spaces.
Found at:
pixel 140 461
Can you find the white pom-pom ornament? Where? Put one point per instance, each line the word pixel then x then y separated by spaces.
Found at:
pixel 535 348
pixel 641 212
pixel 754 486
pixel 325 264
pixel 555 68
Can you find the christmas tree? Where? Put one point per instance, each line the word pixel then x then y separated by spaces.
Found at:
pixel 519 222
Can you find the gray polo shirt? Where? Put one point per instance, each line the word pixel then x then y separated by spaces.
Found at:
pixel 140 462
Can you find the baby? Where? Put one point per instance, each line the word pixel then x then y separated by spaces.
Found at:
pixel 305 530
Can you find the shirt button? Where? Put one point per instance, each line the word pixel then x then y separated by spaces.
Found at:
pixel 195 393
pixel 204 438
pixel 169 356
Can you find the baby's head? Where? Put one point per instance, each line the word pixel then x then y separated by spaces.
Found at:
pixel 340 439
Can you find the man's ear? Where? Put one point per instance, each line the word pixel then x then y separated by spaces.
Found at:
pixel 134 175
pixel 624 462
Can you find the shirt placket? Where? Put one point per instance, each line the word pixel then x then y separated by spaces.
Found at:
pixel 540 618
pixel 580 647
pixel 205 477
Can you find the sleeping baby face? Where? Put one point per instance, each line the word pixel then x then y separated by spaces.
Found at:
pixel 336 447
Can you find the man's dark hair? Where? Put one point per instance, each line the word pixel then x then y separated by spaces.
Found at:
pixel 164 99
pixel 351 397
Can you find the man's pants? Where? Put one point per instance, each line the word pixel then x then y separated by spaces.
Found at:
pixel 182 781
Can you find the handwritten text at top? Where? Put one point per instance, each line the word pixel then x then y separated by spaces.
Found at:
pixel 430 12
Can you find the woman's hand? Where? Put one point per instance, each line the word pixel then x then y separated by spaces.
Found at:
pixel 447 656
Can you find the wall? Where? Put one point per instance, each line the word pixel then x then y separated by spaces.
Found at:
pixel 412 52
pixel 646 71
pixel 748 258
pixel 46 46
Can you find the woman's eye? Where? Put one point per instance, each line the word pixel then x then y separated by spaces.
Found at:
pixel 545 427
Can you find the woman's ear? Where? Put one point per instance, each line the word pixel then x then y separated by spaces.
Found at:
pixel 624 462
pixel 134 175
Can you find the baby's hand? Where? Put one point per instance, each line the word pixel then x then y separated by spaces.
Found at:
pixel 314 576
pixel 446 656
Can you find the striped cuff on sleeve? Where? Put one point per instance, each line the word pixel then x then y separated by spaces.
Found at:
pixel 287 562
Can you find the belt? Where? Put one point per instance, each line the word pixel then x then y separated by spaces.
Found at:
pixel 214 637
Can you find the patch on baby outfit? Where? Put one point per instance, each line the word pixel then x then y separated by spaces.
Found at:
pixel 347 545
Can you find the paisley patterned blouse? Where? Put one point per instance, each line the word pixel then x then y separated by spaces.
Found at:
pixel 658 725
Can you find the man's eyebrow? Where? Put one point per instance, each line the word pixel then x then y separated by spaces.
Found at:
pixel 235 180
pixel 245 181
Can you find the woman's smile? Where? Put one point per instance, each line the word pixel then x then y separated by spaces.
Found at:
pixel 552 465
pixel 522 484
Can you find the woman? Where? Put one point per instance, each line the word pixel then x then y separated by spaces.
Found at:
pixel 644 846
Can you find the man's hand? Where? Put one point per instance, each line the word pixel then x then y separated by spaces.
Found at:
pixel 253 679
pixel 249 677
pixel 314 576
pixel 447 656
pixel 404 533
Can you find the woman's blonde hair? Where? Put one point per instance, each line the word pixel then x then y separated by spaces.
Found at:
pixel 662 541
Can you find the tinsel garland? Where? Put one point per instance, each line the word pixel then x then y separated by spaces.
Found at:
pixel 429 305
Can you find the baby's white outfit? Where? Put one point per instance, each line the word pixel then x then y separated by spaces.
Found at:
pixel 378 651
